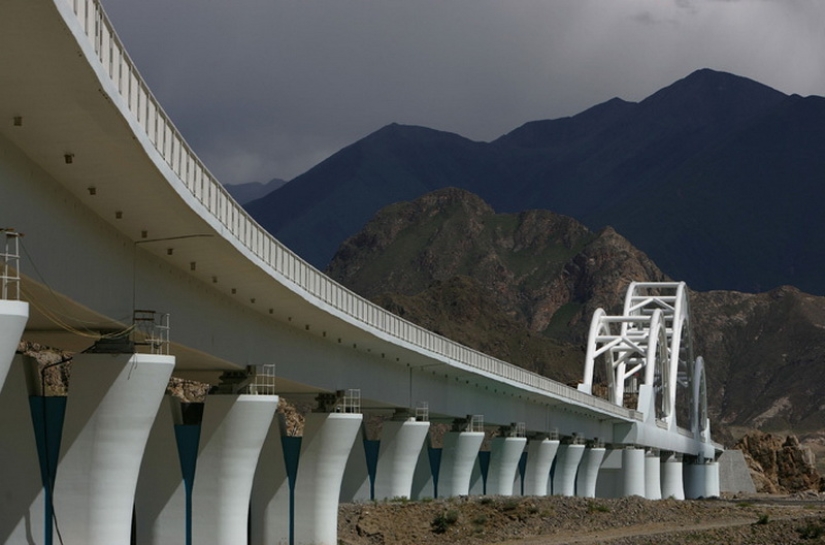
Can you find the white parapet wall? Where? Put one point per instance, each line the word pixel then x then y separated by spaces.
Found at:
pixel 113 400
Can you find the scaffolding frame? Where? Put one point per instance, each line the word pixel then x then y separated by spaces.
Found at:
pixel 10 265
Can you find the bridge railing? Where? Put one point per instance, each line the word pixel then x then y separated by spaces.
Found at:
pixel 189 169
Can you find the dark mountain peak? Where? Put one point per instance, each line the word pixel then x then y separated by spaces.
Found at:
pixel 607 110
pixel 706 81
pixel 397 129
pixel 248 192
pixel 708 96
pixel 550 132
pixel 411 133
pixel 714 162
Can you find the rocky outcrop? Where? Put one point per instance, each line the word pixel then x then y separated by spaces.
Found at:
pixel 541 269
pixel 780 465
pixel 54 367
pixel 766 357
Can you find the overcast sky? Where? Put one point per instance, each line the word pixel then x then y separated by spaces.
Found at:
pixel 268 88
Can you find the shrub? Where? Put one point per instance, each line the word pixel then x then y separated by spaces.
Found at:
pixel 510 505
pixel 442 522
pixel 593 507
pixel 811 530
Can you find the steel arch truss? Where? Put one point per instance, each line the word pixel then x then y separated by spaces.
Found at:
pixel 645 356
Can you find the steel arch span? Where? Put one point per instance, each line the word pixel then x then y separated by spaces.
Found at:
pixel 643 359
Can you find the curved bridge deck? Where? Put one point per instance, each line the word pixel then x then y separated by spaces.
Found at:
pixel 120 215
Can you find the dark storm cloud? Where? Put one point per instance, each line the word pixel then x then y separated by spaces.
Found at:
pixel 265 89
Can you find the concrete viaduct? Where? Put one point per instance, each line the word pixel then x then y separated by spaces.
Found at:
pixel 118 245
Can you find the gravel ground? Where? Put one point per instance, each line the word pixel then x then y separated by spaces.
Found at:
pixel 556 520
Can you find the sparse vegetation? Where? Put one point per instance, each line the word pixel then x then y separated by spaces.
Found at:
pixel 621 521
pixel 594 507
pixel 811 530
pixel 443 521
pixel 510 504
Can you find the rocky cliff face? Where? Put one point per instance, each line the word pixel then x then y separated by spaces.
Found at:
pixel 780 465
pixel 766 355
pixel 542 270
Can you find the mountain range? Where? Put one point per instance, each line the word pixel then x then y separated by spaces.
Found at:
pixel 718 178
pixel 247 192
pixel 523 287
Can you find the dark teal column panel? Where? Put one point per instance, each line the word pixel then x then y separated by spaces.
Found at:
pixel 47 415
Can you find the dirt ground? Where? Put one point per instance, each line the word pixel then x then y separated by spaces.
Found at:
pixel 557 520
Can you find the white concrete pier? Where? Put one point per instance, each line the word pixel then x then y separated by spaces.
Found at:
pixel 356 485
pixel 401 443
pixel 693 473
pixel 22 517
pixel 325 447
pixel 672 481
pixel 540 456
pixel 633 472
pixel 13 318
pixel 423 484
pixel 270 505
pixel 160 499
pixel 653 478
pixel 588 473
pixel 457 459
pixel 505 454
pixel 113 399
pixel 712 488
pixel 232 433
pixel 567 466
